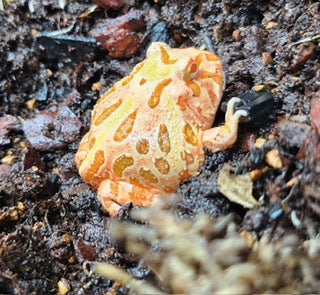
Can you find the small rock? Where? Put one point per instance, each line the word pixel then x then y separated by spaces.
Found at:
pixel 270 25
pixel 84 252
pixel 31 103
pixel 7 123
pixel 119 36
pixel 63 286
pixel 114 4
pixel 42 92
pixel 9 159
pixel 159 33
pixel 307 51
pixel 273 159
pixel 236 35
pixel 4 171
pixel 293 133
pixel 259 142
pixel 31 158
pixel 266 58
pixel 258 88
pixel 52 129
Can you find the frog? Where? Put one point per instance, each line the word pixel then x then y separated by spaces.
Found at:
pixel 149 130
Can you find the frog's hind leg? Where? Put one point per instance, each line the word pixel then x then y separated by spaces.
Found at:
pixel 221 137
pixel 114 194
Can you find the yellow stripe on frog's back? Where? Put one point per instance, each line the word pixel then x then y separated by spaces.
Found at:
pixel 174 128
pixel 108 127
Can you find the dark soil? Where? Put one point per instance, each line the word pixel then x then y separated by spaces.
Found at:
pixel 50 221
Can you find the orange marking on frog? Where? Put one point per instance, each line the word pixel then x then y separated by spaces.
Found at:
pixel 148 175
pixel 189 75
pixel 142 146
pixel 194 87
pixel 162 165
pixel 142 81
pixel 184 174
pixel 126 80
pixel 189 158
pixel 182 102
pixel 155 96
pixel 216 77
pixel 107 93
pixel 91 142
pixel 189 135
pixel 107 112
pixel 95 165
pixel 138 158
pixel 121 163
pixel 212 57
pixel 125 128
pixel 163 139
pixel 165 57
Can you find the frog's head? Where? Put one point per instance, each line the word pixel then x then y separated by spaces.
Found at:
pixel 199 70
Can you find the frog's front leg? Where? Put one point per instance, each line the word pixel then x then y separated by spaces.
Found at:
pixel 221 137
pixel 114 194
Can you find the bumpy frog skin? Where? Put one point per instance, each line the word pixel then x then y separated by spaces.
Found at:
pixel 148 131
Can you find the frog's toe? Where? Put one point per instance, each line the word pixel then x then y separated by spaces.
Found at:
pixel 114 194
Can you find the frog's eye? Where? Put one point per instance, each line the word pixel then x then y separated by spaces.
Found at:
pixel 190 71
pixel 193 69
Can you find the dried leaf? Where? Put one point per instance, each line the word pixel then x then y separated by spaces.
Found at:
pixel 237 188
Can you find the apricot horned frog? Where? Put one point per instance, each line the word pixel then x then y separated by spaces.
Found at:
pixel 149 129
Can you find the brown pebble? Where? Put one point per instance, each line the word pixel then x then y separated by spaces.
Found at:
pixel 31 158
pixel 120 36
pixel 307 51
pixel 236 35
pixel 266 58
